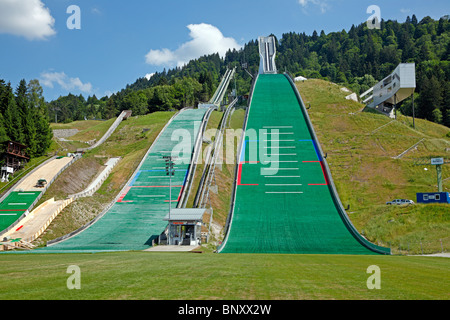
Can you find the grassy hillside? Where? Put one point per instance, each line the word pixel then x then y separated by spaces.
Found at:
pixel 361 147
pixel 88 130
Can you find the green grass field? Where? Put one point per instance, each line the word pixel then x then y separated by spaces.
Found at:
pixel 207 276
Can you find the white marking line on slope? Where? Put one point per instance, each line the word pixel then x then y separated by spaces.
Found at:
pixel 283 184
pixel 281 176
pixel 279 140
pixel 280 154
pixel 277 127
pixel 284 147
pixel 281 169
pixel 282 192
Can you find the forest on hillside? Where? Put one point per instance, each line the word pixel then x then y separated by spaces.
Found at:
pixel 361 57
pixel 24 117
pixel 357 59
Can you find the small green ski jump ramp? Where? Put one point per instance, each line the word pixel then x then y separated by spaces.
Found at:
pixel 287 205
pixel 136 218
pixel 15 205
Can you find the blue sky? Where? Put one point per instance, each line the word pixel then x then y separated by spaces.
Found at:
pixel 120 41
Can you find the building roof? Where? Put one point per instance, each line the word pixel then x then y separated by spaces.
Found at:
pixel 185 214
pixel 16 143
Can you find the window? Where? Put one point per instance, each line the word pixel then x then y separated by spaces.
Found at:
pixel 425 197
pixel 437 197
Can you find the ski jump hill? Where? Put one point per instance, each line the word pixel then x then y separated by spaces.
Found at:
pixel 136 217
pixel 284 199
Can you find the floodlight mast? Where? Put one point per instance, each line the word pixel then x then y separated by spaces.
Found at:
pixel 170 171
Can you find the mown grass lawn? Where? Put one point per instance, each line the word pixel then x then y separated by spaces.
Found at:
pixel 208 276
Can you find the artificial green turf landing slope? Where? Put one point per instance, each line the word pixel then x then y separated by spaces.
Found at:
pixel 284 201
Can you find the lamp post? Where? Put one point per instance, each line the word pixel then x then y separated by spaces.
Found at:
pixel 414 116
pixel 170 171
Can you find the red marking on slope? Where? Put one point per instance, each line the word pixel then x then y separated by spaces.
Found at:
pixel 179 195
pixel 324 175
pixel 123 195
pixel 240 173
pixel 19 228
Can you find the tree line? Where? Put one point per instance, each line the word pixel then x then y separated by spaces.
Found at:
pixel 24 117
pixel 357 58
pixel 361 57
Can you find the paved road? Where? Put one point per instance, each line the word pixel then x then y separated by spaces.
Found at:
pixel 47 172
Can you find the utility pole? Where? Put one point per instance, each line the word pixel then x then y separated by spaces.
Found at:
pixel 395 106
pixel 414 123
pixel 170 171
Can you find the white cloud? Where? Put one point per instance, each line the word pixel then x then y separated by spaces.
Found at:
pixel 96 11
pixel 48 79
pixel 149 75
pixel 27 18
pixel 322 4
pixel 206 39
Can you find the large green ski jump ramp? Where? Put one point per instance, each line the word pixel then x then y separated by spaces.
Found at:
pixel 285 200
pixel 136 217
